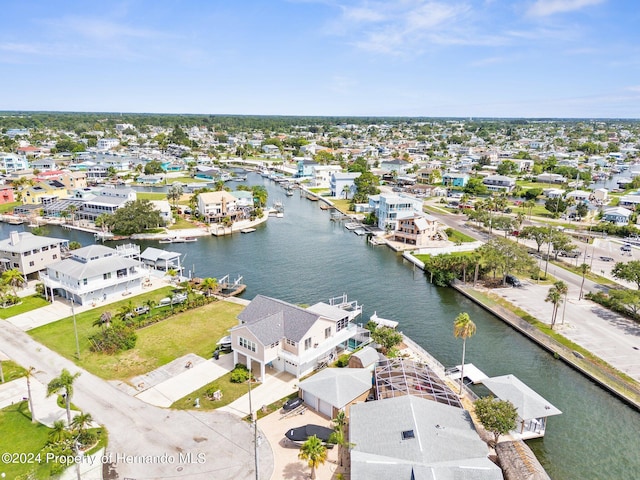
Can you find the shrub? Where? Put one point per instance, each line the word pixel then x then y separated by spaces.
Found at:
pixel 113 339
pixel 343 361
pixel 240 374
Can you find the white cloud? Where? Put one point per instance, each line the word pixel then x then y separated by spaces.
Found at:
pixel 544 8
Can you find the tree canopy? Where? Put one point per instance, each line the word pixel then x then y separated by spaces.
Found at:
pixel 134 217
pixel 497 416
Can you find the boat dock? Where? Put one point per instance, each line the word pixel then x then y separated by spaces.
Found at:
pixel 228 288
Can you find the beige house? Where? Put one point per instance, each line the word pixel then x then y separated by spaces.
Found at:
pixel 214 206
pixel 31 253
pixel 289 338
pixel 416 230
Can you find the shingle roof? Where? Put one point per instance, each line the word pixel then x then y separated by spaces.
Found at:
pixel 270 319
pixel 28 241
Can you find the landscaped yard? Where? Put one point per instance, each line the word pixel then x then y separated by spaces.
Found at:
pixel 151 196
pixel 230 392
pixel 181 224
pixel 458 237
pixel 12 370
pixel 8 207
pixel 194 331
pixel 19 435
pixel 342 205
pixel 28 304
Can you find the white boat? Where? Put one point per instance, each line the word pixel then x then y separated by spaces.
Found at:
pixel 247 230
pixel 360 231
pixel 178 240
pixel 351 225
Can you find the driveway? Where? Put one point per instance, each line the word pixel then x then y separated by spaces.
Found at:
pixel 146 441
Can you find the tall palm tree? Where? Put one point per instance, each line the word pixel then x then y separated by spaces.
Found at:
pixel 29 375
pixel 584 269
pixel 314 453
pixel 463 327
pixel 339 435
pixel 150 303
pixel 104 320
pixel 63 382
pixel 563 290
pixel 529 204
pixel 81 422
pixel 555 297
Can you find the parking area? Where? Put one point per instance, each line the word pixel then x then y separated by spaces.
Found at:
pixel 287 465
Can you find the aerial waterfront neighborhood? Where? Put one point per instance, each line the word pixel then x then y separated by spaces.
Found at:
pixel 113 289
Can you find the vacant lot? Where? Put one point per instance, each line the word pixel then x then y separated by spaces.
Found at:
pixel 194 331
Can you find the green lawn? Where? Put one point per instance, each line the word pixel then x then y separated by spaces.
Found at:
pixel 12 370
pixel 8 207
pixel 28 304
pixel 19 435
pixel 194 331
pixel 151 196
pixel 458 237
pixel 342 205
pixel 181 223
pixel 230 392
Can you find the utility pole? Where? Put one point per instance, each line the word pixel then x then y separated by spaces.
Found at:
pixel 255 431
pixel 75 328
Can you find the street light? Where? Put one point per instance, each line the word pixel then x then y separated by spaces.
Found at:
pixel 255 430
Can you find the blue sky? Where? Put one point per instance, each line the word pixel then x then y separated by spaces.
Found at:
pixel 495 58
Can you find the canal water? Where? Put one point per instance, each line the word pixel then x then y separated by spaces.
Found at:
pixel 305 257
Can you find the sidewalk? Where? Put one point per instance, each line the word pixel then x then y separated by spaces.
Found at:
pixel 46 409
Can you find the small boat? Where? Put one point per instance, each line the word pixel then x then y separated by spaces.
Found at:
pixel 288 192
pixel 360 231
pixel 247 230
pixel 351 225
pixel 301 434
pixel 178 240
pixel 239 178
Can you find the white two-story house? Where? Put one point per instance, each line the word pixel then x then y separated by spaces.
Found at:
pixel 214 206
pixel 290 338
pixel 30 253
pixel 93 273
pixel 391 208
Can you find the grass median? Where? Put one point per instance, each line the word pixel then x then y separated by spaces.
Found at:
pixel 193 331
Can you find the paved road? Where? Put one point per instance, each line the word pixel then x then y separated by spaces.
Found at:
pixel 139 429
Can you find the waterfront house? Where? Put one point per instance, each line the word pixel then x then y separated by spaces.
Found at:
pixel 214 206
pixel 553 192
pixel 322 175
pixel 390 208
pixel 550 178
pixel 10 162
pixel 408 437
pixel 162 260
pixel 533 409
pixel 455 179
pixel 499 183
pixel 617 215
pixel 290 338
pixel 106 200
pixel 164 208
pixel 631 201
pixel 579 195
pixel 340 182
pixel 30 253
pixel 416 230
pixel 44 192
pixel 93 273
pixel 332 390
pixel 305 168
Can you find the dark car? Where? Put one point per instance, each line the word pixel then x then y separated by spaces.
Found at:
pixel 513 280
pixel 606 259
pixel 292 404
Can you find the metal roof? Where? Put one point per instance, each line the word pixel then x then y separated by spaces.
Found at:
pixel 338 386
pixel 529 403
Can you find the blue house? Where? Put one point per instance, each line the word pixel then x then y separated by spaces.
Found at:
pixel 455 179
pixel 617 215
pixel 305 168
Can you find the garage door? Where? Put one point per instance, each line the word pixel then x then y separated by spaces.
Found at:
pixel 290 367
pixel 325 408
pixel 310 400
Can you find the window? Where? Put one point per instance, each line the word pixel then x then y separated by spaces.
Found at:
pixel 248 344
pixel 26 254
pixel 340 324
pixel 327 332
pixel 106 276
pixel 44 249
pixel 291 342
pixel 15 265
pixel 307 343
pixel 84 281
pixel 54 256
pixel 31 264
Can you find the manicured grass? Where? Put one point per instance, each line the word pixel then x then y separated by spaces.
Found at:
pixel 19 435
pixel 181 224
pixel 342 205
pixel 194 331
pixel 318 190
pixel 458 237
pixel 28 304
pixel 590 275
pixel 12 370
pixel 230 392
pixel 151 196
pixel 8 207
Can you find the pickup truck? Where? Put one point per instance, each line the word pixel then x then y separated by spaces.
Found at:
pixel 573 254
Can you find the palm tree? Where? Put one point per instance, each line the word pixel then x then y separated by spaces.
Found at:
pixel 14 278
pixel 339 436
pixel 555 297
pixel 104 320
pixel 59 432
pixel 150 303
pixel 563 290
pixel 172 273
pixel 529 204
pixel 81 422
pixel 463 327
pixel 584 268
pixel 63 382
pixel 346 190
pixel 28 375
pixel 126 311
pixel 314 453
pixel 209 284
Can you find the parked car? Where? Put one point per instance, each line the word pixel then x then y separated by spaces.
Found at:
pixel 625 248
pixel 572 254
pixel 292 404
pixel 606 259
pixel 513 280
pixel 141 310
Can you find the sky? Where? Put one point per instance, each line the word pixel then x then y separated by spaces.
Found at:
pixel 429 58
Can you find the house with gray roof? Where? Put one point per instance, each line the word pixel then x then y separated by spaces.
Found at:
pixel 290 338
pixel 159 259
pixel 335 389
pixel 412 438
pixel 30 253
pixel 93 273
